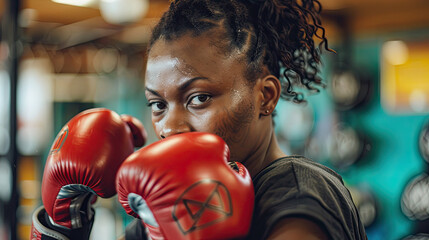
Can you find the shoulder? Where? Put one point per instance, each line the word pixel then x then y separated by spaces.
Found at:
pixel 294 186
pixel 296 165
pixel 296 175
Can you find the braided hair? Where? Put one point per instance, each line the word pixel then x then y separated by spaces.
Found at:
pixel 276 33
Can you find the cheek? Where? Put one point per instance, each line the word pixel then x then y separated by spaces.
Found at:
pixel 206 122
pixel 234 126
pixel 157 127
pixel 231 122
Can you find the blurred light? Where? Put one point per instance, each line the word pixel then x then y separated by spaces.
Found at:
pixel 418 100
pixel 79 3
pixel 4 112
pixel 24 214
pixel 395 52
pixel 295 121
pixel 29 189
pixel 404 75
pixel 104 225
pixel 414 201
pixel 123 11
pixel 34 106
pixel 4 140
pixel 345 88
pixel 365 202
pixel 106 60
pixel 367 213
pixel 344 146
pixel 82 88
pixel 5 180
pixel 27 17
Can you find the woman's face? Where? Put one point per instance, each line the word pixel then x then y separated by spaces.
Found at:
pixel 191 85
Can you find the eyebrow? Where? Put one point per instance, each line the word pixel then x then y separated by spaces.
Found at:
pixel 190 81
pixel 152 91
pixel 181 87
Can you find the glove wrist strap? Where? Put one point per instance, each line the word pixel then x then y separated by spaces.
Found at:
pixel 43 228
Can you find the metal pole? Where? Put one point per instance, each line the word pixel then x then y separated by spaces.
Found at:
pixel 10 35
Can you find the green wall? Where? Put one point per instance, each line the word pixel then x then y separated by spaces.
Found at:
pixel 393 158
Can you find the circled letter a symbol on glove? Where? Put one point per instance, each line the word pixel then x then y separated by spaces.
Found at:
pixel 203 204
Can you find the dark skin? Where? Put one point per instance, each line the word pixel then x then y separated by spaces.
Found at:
pixel 191 85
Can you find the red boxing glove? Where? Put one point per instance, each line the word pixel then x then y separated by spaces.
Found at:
pixel 82 164
pixel 183 187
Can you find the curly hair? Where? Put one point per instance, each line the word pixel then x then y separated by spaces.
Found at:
pixel 276 33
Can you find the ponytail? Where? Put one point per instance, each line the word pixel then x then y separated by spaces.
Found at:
pixel 286 29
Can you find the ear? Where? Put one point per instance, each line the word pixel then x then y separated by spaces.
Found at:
pixel 270 89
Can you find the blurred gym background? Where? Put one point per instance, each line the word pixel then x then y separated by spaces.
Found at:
pixel 370 123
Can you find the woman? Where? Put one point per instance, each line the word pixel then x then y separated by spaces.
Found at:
pixel 220 66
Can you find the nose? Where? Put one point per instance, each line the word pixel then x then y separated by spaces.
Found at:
pixel 173 123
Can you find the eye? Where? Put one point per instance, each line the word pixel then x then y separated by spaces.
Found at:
pixel 157 106
pixel 199 99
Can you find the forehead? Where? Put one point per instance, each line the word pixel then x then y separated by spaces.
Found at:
pixel 189 56
pixel 213 42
